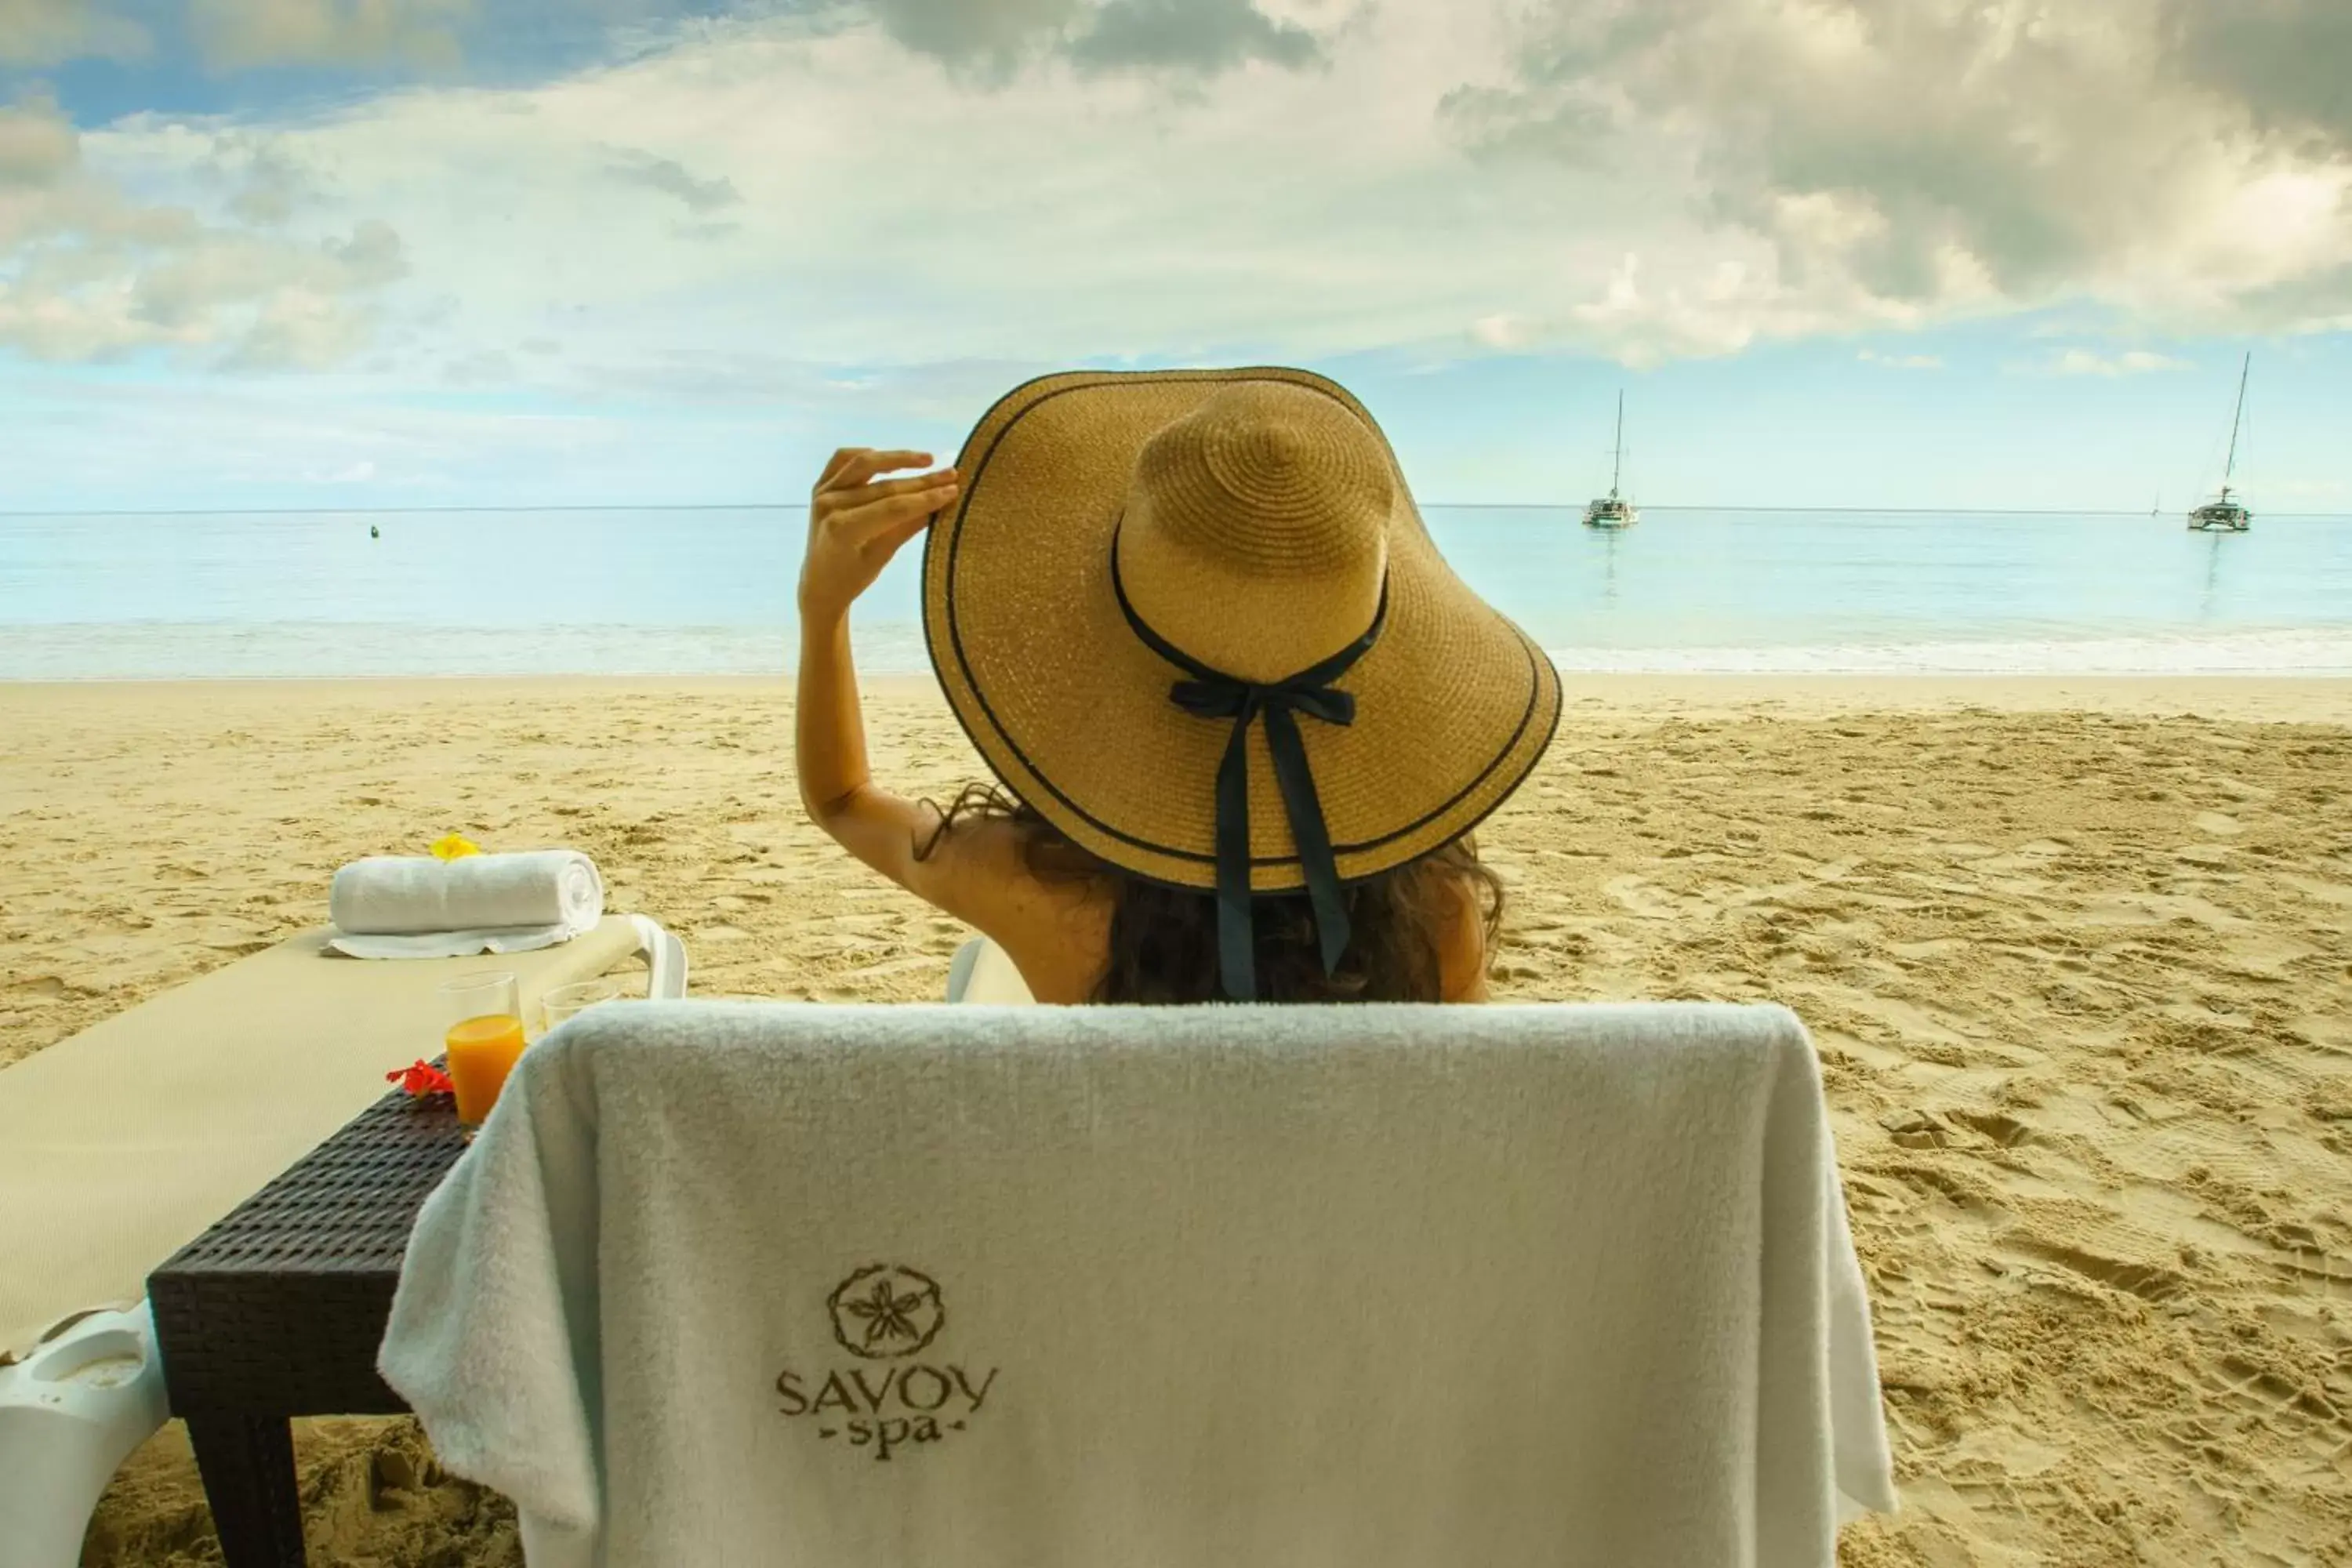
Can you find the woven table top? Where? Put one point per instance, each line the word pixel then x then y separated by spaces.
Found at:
pixel 345 1208
pixel 279 1307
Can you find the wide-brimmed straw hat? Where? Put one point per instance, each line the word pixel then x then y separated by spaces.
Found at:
pixel 1193 618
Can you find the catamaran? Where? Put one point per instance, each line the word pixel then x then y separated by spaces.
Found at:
pixel 2225 513
pixel 1614 510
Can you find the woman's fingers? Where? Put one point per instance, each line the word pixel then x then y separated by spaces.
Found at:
pixel 875 519
pixel 856 524
pixel 849 499
pixel 891 543
pixel 859 465
pixel 833 464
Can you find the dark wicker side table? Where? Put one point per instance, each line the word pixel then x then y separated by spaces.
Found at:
pixel 277 1312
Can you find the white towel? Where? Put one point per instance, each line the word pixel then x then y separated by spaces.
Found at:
pixel 392 906
pixel 1044 1287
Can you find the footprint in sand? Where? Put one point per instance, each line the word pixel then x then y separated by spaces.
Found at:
pixel 2005 1130
pixel 1639 897
pixel 2139 1269
pixel 1916 1129
pixel 2214 823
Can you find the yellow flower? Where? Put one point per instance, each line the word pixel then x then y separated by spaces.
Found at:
pixel 454 847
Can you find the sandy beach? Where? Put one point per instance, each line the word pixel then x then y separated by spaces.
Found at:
pixel 2077 952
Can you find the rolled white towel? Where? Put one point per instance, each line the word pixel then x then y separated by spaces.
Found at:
pixel 403 895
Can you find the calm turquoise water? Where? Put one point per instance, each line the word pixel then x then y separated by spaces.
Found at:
pixel 711 592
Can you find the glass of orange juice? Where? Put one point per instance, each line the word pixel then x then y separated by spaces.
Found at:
pixel 484 1017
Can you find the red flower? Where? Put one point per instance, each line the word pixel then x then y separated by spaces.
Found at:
pixel 423 1077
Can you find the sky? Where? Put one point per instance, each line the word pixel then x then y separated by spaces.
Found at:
pixel 1874 253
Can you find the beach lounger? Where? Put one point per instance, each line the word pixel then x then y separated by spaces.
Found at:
pixel 1047 1287
pixel 120 1145
pixel 983 973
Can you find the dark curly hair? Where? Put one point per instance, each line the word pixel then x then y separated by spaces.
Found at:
pixel 1163 939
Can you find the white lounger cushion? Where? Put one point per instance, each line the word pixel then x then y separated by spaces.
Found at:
pixel 122 1144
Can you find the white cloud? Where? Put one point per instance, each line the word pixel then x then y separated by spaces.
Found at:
pixel 89 271
pixel 1502 332
pixel 671 178
pixel 1775 174
pixel 1085 213
pixel 271 187
pixel 43 33
pixel 1201 38
pixel 299 328
pixel 1204 35
pixel 1032 182
pixel 2283 60
pixel 491 368
pixel 1002 31
pixel 37 149
pixel 2131 361
pixel 236 34
pixel 1900 362
pixel 1961 156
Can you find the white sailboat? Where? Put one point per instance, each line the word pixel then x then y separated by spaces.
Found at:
pixel 2225 513
pixel 1614 510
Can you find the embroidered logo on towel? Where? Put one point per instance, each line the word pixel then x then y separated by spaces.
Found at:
pixel 885 1312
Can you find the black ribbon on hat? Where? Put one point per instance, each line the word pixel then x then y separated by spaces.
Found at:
pixel 1212 694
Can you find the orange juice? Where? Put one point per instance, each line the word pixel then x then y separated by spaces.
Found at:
pixel 482 1051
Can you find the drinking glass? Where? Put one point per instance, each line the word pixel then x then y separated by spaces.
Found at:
pixel 565 1000
pixel 483 1014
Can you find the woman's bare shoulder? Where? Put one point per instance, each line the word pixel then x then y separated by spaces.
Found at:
pixel 1462 960
pixel 1053 924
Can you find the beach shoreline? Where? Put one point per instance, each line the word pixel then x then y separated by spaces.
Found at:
pixel 2268 697
pixel 2076 950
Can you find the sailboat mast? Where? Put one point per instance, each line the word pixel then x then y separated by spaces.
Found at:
pixel 1617 464
pixel 2229 466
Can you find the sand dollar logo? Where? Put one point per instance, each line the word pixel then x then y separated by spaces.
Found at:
pixel 884 1314
pixel 884 1310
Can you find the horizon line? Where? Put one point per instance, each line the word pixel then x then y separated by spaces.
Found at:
pixel 802 506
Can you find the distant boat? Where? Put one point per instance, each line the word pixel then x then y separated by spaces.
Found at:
pixel 2225 513
pixel 1614 510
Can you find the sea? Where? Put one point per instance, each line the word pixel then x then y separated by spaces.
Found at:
pixel 710 591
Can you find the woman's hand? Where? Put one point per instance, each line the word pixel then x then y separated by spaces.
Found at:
pixel 857 521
